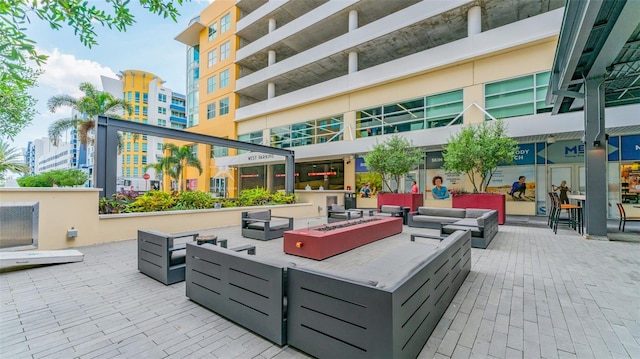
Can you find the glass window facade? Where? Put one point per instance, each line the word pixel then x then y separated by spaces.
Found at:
pixel 211 84
pixel 253 137
pixel 225 22
pixel 224 78
pixel 212 57
pixel 224 106
pixel 410 115
pixel 213 31
pixel 520 96
pixel 217 151
pixel 308 133
pixel 224 51
pixel 211 110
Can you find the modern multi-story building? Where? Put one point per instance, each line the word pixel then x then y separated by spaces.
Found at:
pixel 42 156
pixel 153 104
pixel 330 79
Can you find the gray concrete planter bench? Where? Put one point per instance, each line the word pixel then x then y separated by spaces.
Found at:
pixel 385 309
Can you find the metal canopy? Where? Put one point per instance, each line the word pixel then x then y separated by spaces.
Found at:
pixel 107 149
pixel 597 38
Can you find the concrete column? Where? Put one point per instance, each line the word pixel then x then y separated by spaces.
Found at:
pixel 269 177
pixel 474 21
pixel 272 57
pixel 272 25
pixel 271 90
pixel 353 20
pixel 353 62
pixel 595 158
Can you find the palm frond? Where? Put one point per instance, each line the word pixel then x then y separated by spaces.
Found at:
pixel 55 102
pixel 57 128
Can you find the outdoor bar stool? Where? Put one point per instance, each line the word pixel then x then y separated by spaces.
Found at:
pixel 552 210
pixel 575 214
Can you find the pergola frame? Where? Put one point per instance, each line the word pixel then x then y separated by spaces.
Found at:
pixel 596 58
pixel 105 168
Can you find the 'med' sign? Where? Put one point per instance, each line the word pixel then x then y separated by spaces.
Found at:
pixel 575 150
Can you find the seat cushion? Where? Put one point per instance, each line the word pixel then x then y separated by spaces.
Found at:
pixel 450 228
pixel 336 208
pixel 434 219
pixel 441 212
pixel 475 213
pixel 276 224
pixel 177 257
pixel 390 209
pixel 264 215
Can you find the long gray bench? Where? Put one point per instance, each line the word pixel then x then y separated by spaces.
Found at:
pixel 385 309
pixel 248 290
pixel 483 223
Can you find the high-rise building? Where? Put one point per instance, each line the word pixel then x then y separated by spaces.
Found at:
pixel 330 79
pixel 153 104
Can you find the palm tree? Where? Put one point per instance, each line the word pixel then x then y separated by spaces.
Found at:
pixel 181 158
pixel 11 160
pixel 164 166
pixel 93 104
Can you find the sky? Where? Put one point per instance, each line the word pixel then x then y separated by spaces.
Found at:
pixel 147 45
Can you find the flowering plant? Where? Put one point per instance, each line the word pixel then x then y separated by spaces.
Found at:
pixel 458 192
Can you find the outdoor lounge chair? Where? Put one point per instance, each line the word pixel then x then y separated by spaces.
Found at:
pixel 263 226
pixel 159 258
pixel 337 212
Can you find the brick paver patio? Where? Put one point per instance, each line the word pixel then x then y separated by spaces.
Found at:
pixel 531 294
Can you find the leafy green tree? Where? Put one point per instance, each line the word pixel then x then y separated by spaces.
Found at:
pixel 17 50
pixel 393 159
pixel 478 150
pixel 93 104
pixel 17 107
pixel 181 158
pixel 11 160
pixel 62 178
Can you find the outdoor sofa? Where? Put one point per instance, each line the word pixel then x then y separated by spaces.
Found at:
pixel 161 259
pixel 337 213
pixel 483 223
pixel 246 289
pixel 387 308
pixel 264 226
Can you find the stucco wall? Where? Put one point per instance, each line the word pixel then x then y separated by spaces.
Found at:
pixel 64 208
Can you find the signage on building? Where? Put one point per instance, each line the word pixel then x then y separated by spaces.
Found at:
pixel 250 176
pixel 564 152
pixel 329 173
pixel 525 154
pixel 434 160
pixel 360 166
pixel 630 148
pixel 282 174
pixel 613 148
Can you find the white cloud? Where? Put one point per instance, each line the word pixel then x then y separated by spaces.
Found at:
pixel 63 73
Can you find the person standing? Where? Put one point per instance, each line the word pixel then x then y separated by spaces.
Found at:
pixel 414 187
pixel 439 191
pixel 563 188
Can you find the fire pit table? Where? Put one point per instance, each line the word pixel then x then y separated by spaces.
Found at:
pixel 321 242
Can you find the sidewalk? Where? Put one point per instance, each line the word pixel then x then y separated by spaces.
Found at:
pixel 531 294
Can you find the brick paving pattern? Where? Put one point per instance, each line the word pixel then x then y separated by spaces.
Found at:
pixel 530 294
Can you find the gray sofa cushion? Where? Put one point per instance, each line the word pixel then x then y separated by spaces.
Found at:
pixel 345 215
pixel 475 213
pixel 442 212
pixel 177 257
pixel 264 215
pixel 275 224
pixel 451 228
pixel 434 219
pixel 337 208
pixel 390 209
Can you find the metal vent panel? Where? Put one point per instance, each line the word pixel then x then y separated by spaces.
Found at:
pixel 19 225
